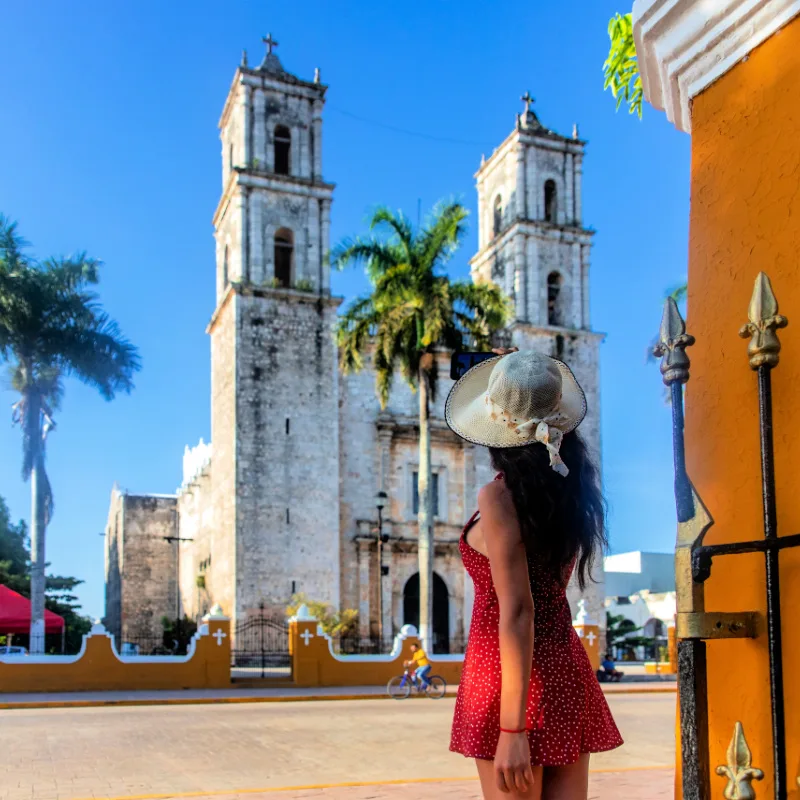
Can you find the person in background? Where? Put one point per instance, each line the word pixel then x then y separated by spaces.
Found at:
pixel 419 662
pixel 610 670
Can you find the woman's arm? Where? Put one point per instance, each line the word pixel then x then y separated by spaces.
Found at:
pixel 509 565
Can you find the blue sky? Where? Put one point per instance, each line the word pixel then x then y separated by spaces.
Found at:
pixel 110 144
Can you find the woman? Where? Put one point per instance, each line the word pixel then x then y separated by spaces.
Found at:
pixel 542 517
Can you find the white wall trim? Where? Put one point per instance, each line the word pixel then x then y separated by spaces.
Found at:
pixel 685 45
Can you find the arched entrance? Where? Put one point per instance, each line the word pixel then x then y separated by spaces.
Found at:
pixel 441 610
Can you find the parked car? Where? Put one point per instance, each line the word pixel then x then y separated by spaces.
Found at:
pixel 12 650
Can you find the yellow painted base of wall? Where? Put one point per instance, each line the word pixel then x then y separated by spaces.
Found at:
pixel 313 664
pixel 98 668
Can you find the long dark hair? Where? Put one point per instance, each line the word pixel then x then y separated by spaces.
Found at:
pixel 561 518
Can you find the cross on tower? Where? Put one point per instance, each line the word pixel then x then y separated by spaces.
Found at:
pixel 306 635
pixel 269 42
pixel 527 99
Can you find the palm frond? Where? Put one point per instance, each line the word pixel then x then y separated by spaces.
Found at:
pixel 443 235
pixel 397 222
pixel 412 309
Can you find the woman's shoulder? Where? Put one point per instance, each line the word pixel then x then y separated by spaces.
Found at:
pixel 494 490
pixel 495 496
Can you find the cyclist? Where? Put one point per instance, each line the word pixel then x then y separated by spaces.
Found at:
pixel 419 661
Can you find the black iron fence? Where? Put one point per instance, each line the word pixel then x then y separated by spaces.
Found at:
pixel 151 645
pixel 261 646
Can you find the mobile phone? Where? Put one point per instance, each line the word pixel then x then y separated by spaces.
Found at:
pixel 462 362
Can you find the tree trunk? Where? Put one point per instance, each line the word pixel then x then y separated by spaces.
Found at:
pixel 37 631
pixel 425 517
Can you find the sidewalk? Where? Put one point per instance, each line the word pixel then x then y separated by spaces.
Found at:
pixel 283 694
pixel 633 784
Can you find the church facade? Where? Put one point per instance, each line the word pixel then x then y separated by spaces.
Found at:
pixel 283 500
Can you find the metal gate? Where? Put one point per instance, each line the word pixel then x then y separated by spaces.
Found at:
pixel 693 563
pixel 261 646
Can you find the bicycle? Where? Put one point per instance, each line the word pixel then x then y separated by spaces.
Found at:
pixel 399 687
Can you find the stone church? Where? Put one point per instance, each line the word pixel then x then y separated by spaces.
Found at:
pixel 283 499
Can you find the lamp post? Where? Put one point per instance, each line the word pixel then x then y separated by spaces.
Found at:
pixel 380 502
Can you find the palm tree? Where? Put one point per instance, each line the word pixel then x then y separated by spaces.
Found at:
pixel 414 310
pixel 51 327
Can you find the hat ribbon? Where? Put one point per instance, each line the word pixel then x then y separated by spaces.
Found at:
pixel 551 437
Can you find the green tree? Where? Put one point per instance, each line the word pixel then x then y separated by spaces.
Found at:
pixel 621 68
pixel 333 622
pixel 15 574
pixel 618 629
pixel 52 327
pixel 413 311
pixel 14 554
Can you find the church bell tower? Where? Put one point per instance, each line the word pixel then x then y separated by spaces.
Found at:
pixel 275 470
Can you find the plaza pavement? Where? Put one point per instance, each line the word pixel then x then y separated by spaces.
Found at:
pixel 255 750
pixel 251 694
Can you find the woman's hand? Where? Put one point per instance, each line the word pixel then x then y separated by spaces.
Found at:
pixel 504 351
pixel 512 763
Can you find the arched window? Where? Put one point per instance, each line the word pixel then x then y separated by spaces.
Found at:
pixel 283 149
pixel 225 268
pixel 550 198
pixel 497 222
pixel 554 315
pixel 284 251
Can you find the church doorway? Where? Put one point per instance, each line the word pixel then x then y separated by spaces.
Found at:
pixel 441 610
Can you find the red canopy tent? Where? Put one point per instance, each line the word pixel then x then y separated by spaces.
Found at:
pixel 15 614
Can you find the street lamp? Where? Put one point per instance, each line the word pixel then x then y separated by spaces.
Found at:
pixel 381 499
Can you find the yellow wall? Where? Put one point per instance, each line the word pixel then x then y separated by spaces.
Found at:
pixel 745 217
pixel 590 638
pixel 99 669
pixel 314 665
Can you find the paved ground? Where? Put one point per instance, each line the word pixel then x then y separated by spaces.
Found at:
pixel 254 695
pixel 645 784
pixel 247 751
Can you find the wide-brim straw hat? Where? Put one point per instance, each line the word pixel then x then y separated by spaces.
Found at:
pixel 516 399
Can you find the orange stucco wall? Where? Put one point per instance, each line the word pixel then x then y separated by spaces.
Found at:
pixel 313 664
pixel 745 217
pixel 99 669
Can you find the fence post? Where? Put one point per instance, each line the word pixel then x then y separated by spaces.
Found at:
pixel 589 632
pixel 214 637
pixel 304 647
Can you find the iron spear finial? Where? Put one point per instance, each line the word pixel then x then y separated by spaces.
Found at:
pixel 672 343
pixel 765 347
pixel 739 770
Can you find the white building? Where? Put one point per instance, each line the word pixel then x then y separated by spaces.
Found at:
pixel 641 588
pixel 283 499
pixel 629 573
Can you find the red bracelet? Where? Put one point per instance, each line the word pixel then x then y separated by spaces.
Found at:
pixel 507 730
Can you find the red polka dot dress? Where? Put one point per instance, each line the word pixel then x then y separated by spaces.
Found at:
pixel 567 712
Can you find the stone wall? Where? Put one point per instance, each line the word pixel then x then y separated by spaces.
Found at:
pixel 199 578
pixel 112 617
pixel 380 450
pixel 287 449
pixel 223 467
pixel 146 565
